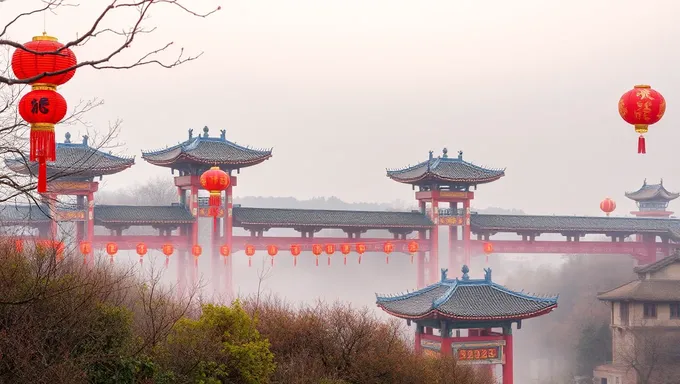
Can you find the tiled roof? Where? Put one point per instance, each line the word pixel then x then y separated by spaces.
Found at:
pixel 660 264
pixel 559 224
pixel 466 299
pixel 18 214
pixel 295 218
pixel 142 215
pixel 652 192
pixel 74 161
pixel 447 170
pixel 208 151
pixel 644 290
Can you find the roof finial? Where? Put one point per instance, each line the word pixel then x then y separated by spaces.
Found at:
pixel 445 153
pixel 430 160
pixel 85 137
pixel 487 274
pixel 644 182
pixel 67 138
pixel 444 272
pixel 191 133
pixel 205 131
pixel 465 271
pixel 460 155
pixel 223 134
pixel 661 182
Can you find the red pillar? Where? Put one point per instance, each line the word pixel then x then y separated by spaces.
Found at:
pixel 417 346
pixel 420 262
pixel 453 239
pixel 433 264
pixel 80 225
pixel 228 217
pixel 194 211
pixel 467 252
pixel 508 366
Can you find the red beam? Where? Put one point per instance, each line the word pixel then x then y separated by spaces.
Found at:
pixel 152 241
pixel 283 243
pixel 571 247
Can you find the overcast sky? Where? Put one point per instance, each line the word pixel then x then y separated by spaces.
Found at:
pixel 344 89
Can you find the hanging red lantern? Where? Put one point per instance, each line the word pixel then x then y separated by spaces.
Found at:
pixel 317 249
pixel 607 206
pixel 85 247
pixel 361 248
pixel 330 249
pixel 196 250
pixel 27 65
pixel 43 107
pixel 250 250
pixel 413 246
pixel 488 249
pixel 295 250
pixel 19 246
pixel 641 107
pixel 225 250
pixel 388 247
pixel 168 249
pixel 345 249
pixel 141 249
pixel 111 249
pixel 272 250
pixel 215 181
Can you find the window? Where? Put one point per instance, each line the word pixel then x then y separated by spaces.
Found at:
pixel 623 312
pixel 603 380
pixel 675 310
pixel 649 310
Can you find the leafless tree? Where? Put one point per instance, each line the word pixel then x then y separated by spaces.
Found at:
pixel 651 354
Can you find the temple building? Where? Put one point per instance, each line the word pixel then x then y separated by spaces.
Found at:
pixel 645 325
pixel 652 200
pixel 485 309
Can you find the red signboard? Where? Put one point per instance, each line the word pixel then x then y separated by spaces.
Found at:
pixel 451 220
pixel 479 353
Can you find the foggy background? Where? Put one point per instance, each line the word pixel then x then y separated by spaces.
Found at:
pixel 344 89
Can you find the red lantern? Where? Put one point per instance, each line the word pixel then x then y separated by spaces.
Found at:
pixel 413 246
pixel 250 250
pixel 642 106
pixel 317 249
pixel 388 248
pixel 225 251
pixel 607 205
pixel 111 249
pixel 330 249
pixel 19 246
pixel 295 250
pixel 43 107
pixel 488 248
pixel 345 249
pixel 27 65
pixel 361 248
pixel 272 250
pixel 141 249
pixel 85 247
pixel 168 249
pixel 196 250
pixel 215 181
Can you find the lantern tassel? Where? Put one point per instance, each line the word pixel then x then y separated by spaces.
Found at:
pixel 641 145
pixel 215 199
pixel 42 142
pixel 42 175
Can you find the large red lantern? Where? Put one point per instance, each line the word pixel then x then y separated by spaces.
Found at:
pixel 168 249
pixel 85 247
pixel 607 206
pixel 215 181
pixel 111 249
pixel 225 250
pixel 43 107
pixel 642 106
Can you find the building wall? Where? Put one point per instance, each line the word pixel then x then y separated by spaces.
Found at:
pixel 663 314
pixel 670 272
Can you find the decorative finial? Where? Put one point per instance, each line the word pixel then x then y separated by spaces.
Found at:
pixel 661 182
pixel 223 134
pixel 487 274
pixel 67 138
pixel 85 137
pixel 444 272
pixel 460 155
pixel 465 271
pixel 431 154
pixel 191 133
pixel 445 153
pixel 205 131
pixel 644 182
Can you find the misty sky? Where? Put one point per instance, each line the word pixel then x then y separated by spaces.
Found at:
pixel 344 89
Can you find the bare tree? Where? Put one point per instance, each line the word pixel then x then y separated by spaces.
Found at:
pixel 651 354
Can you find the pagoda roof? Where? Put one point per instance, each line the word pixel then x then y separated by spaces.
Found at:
pixel 11 214
pixel 659 265
pixel 647 289
pixel 466 299
pixel 652 192
pixel 559 224
pixel 444 169
pixel 141 215
pixel 74 161
pixel 205 150
pixel 314 218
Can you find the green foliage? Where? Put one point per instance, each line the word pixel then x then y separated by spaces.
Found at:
pixel 594 347
pixel 223 345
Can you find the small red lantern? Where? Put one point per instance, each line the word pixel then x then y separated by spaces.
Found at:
pixel 19 246
pixel 111 249
pixel 488 249
pixel 196 250
pixel 361 248
pixel 215 181
pixel 412 248
pixel 345 249
pixel 168 249
pixel 642 106
pixel 141 249
pixel 330 249
pixel 295 251
pixel 26 65
pixel 250 251
pixel 607 206
pixel 225 251
pixel 388 248
pixel 85 247
pixel 272 250
pixel 317 249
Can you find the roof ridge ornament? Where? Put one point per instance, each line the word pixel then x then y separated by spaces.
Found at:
pixel 465 271
pixel 444 272
pixel 191 133
pixel 67 138
pixel 223 134
pixel 85 138
pixel 487 274
pixel 205 131
pixel 460 155
pixel 445 153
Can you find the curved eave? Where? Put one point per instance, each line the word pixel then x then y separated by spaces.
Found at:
pixel 331 225
pixel 431 176
pixel 659 195
pixel 58 172
pixel 185 157
pixel 437 314
pixel 142 222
